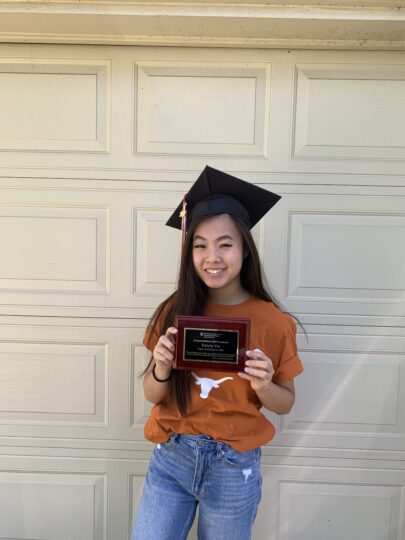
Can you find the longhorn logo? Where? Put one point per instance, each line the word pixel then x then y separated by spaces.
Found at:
pixel 208 384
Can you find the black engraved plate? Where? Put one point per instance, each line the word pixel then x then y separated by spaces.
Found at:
pixel 211 343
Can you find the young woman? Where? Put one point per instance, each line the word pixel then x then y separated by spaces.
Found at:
pixel 207 425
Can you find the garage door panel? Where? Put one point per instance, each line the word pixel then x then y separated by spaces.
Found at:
pixel 59 497
pixel 308 502
pixel 136 482
pixel 54 249
pixel 351 394
pixel 61 384
pixel 349 111
pixel 72 381
pixel 331 510
pixel 370 241
pixel 224 108
pixel 263 111
pixel 54 105
pixel 355 393
pixel 92 251
pixel 108 250
pixel 156 252
pixel 82 382
pixel 140 408
pixel 50 506
pixel 338 255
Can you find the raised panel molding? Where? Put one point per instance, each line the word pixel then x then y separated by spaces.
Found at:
pixel 351 394
pixel 337 254
pixel 351 111
pixel 70 381
pixel 203 108
pixel 322 501
pixel 52 506
pixel 343 392
pixel 139 406
pixel 308 510
pixel 156 252
pixel 346 255
pixel 134 496
pixel 53 105
pixel 59 384
pixel 50 248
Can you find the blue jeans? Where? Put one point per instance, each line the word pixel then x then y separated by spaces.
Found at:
pixel 191 470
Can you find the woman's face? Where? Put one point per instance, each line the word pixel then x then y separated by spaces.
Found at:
pixel 218 256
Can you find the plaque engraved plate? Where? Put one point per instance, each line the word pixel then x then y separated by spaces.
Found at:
pixel 211 343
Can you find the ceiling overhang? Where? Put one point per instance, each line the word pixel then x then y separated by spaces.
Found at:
pixel 369 25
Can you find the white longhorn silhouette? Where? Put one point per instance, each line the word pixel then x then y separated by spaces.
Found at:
pixel 208 384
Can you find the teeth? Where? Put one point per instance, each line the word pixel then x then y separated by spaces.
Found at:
pixel 217 271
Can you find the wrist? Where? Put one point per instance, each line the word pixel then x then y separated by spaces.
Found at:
pixel 264 389
pixel 160 374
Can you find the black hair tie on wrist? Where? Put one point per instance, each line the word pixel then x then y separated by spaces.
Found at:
pixel 157 378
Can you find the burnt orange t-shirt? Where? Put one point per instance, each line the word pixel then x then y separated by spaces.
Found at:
pixel 223 405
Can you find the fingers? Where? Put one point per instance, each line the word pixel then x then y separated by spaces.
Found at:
pixel 258 367
pixel 260 371
pixel 257 359
pixel 171 331
pixel 167 341
pixel 256 354
pixel 164 349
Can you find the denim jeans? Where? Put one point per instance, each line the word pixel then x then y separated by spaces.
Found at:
pixel 191 470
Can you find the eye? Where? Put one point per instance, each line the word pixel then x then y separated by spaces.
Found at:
pixel 198 246
pixel 226 245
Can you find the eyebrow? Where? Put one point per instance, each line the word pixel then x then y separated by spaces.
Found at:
pixel 223 237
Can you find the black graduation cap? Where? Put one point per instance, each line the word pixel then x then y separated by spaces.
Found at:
pixel 216 192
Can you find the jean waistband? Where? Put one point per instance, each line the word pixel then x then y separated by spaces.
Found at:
pixel 193 440
pixel 196 437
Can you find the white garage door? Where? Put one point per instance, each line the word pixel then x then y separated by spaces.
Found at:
pixel 97 144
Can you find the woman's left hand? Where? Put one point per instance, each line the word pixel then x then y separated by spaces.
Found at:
pixel 259 370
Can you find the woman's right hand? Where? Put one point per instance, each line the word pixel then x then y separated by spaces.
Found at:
pixel 163 353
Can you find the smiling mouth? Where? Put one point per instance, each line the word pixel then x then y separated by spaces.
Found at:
pixel 214 271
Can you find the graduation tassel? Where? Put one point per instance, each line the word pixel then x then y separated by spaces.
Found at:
pixel 183 215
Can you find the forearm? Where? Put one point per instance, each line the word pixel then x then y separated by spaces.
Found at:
pixel 162 358
pixel 155 391
pixel 276 398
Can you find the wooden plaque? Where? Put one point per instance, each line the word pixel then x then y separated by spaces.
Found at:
pixel 211 343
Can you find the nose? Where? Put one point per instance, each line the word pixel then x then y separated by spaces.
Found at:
pixel 212 254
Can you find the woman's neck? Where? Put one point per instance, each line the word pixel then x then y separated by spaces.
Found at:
pixel 228 298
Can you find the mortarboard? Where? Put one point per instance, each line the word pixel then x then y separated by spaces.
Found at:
pixel 215 192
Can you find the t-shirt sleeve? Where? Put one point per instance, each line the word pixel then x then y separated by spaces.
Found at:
pixel 155 330
pixel 289 363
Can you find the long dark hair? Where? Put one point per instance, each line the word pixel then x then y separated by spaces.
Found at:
pixel 191 293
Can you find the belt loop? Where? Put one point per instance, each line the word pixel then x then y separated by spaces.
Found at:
pixel 220 449
pixel 174 437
